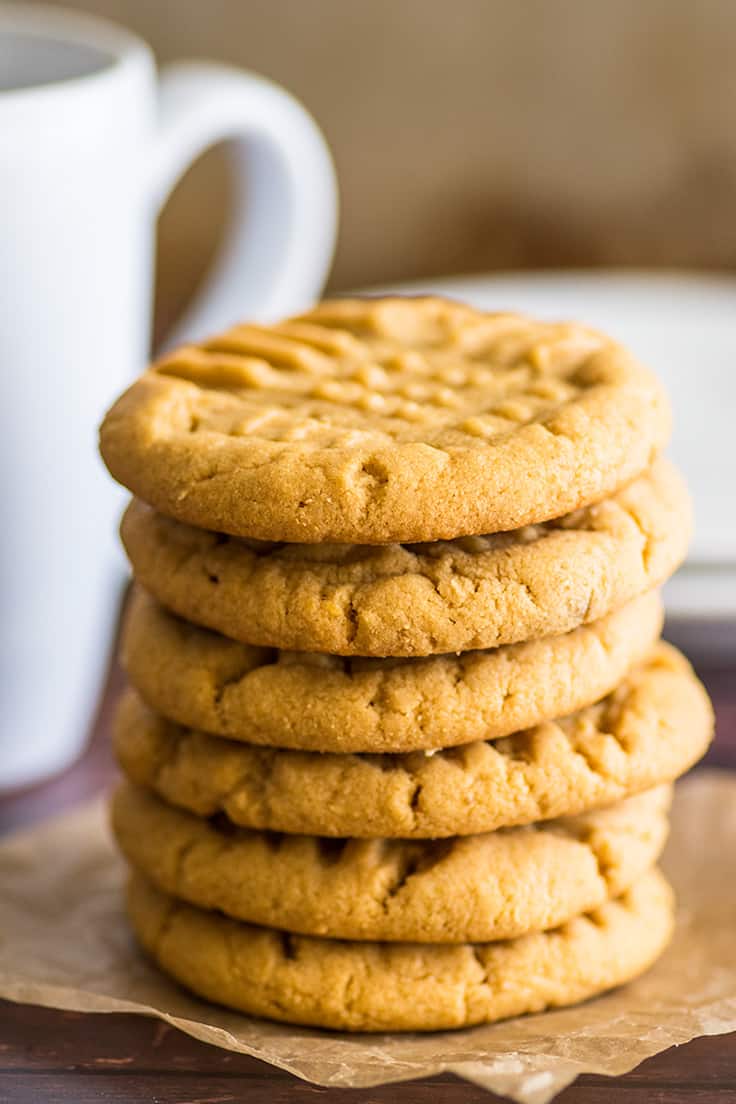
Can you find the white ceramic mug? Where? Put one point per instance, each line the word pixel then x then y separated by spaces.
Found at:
pixel 91 144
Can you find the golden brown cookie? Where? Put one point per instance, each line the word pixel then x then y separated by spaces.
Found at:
pixel 326 703
pixel 386 420
pixel 478 592
pixel 650 730
pixel 469 889
pixel 401 986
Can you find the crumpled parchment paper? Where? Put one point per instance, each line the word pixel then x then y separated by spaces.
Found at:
pixel 64 943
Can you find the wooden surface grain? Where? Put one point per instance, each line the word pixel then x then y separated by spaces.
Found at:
pixel 48 1056
pixel 69 1058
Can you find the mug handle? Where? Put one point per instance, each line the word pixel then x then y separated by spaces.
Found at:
pixel 279 245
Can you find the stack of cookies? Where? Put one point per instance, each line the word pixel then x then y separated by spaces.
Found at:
pixel 400 733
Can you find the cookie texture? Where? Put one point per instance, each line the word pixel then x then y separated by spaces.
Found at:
pixel 650 730
pixel 397 600
pixel 355 986
pixel 326 703
pixel 386 420
pixel 471 889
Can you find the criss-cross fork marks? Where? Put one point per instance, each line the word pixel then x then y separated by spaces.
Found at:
pixel 333 380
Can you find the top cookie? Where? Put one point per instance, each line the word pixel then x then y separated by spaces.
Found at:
pixel 386 420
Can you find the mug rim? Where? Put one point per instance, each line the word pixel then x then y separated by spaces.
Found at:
pixel 123 48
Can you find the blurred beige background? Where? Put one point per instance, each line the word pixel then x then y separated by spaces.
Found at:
pixel 472 135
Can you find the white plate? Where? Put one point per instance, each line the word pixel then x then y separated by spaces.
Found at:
pixel 684 327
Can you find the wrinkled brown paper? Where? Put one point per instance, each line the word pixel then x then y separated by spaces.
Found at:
pixel 64 943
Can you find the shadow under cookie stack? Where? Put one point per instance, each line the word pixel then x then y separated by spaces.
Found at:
pixel 400 735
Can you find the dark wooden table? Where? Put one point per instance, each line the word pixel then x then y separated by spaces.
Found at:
pixel 48 1057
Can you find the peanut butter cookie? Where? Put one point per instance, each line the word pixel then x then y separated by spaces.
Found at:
pixel 401 986
pixel 374 420
pixel 327 703
pixel 469 889
pixel 398 600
